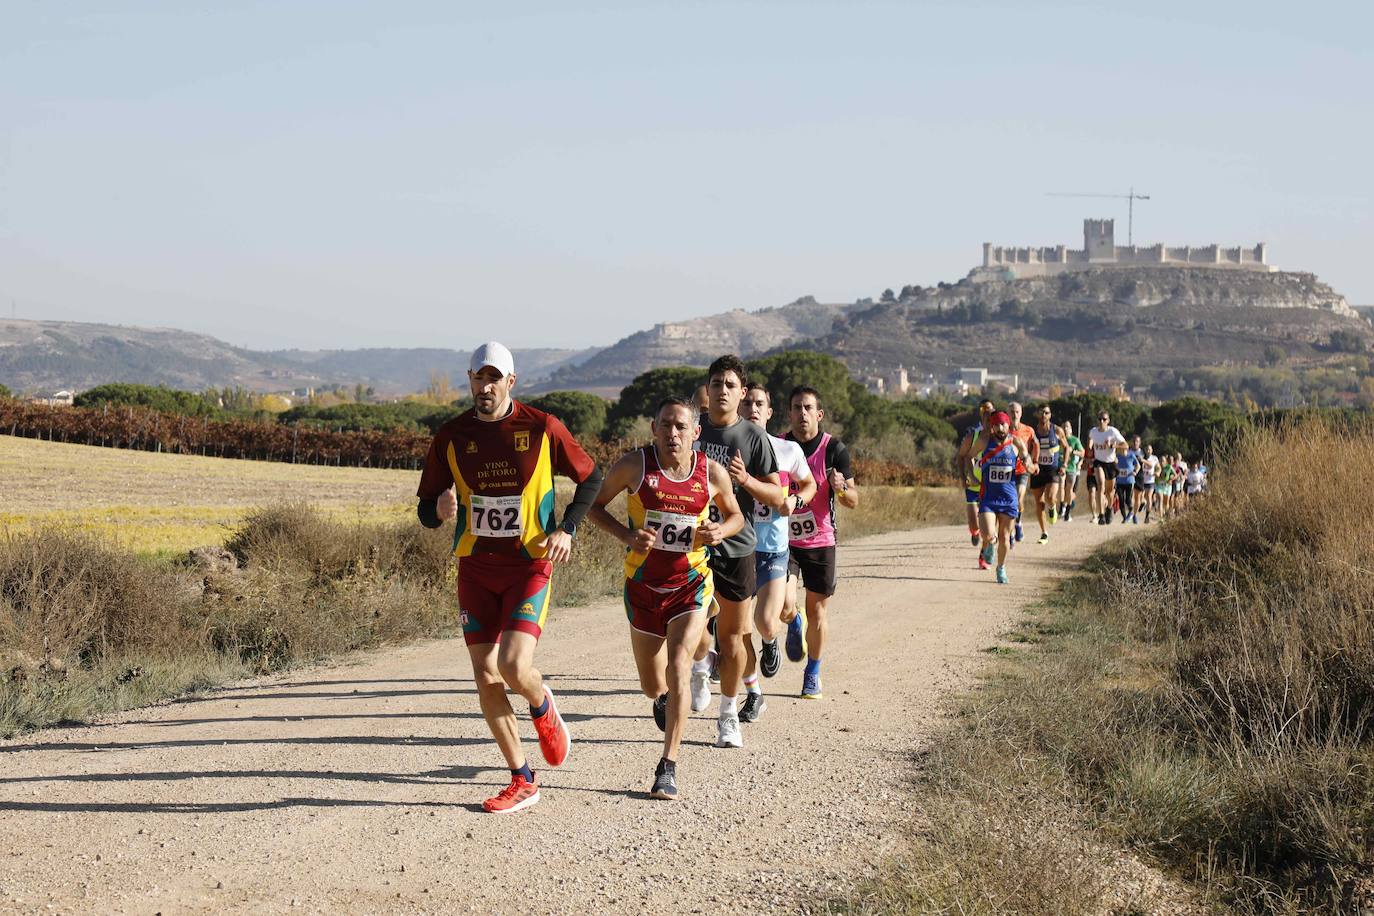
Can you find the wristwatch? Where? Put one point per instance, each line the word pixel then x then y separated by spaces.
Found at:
pixel 797 503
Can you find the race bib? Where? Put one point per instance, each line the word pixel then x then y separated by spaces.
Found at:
pixel 672 532
pixel 762 512
pixel 801 526
pixel 1047 459
pixel 999 473
pixel 495 517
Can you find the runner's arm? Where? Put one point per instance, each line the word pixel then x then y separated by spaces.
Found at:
pixel 583 498
pixel 848 494
pixel 767 486
pixel 618 481
pixel 438 503
pixel 962 458
pixel 806 491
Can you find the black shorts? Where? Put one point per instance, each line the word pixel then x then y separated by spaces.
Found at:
pixel 1044 477
pixel 1108 469
pixel 735 576
pixel 817 568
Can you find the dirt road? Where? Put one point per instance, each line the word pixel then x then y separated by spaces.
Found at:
pixel 355 787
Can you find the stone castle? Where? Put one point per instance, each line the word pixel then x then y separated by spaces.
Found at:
pixel 1100 250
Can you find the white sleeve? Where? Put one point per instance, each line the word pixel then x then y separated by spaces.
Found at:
pixel 800 469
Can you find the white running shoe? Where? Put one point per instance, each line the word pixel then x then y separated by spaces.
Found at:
pixel 727 731
pixel 701 689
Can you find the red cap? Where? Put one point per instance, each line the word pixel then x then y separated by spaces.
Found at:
pixel 1000 417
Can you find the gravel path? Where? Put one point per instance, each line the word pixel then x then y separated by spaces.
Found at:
pixel 355 787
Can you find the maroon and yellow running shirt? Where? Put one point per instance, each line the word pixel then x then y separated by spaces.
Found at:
pixel 673 510
pixel 503 474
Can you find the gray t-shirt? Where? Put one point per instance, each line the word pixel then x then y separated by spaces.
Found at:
pixel 720 443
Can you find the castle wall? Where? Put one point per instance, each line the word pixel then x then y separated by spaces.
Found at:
pixel 1099 250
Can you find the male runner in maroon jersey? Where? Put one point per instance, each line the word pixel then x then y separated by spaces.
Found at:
pixel 491 470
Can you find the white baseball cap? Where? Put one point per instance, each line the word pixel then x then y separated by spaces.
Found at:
pixel 495 355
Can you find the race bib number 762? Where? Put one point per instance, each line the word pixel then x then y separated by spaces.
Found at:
pixel 496 516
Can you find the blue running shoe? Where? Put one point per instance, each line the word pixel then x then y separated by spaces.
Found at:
pixel 1018 531
pixel 1002 575
pixel 987 554
pixel 811 686
pixel 796 639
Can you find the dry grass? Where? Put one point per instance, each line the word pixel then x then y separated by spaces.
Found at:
pixel 1203 696
pixel 86 628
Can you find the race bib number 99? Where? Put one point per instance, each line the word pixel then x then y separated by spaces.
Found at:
pixel 999 473
pixel 801 526
pixel 496 516
pixel 672 532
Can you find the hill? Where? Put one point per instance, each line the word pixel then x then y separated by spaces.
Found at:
pixel 49 355
pixel 697 342
pixel 1111 321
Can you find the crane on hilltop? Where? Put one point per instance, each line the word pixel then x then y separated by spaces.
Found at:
pixel 1130 207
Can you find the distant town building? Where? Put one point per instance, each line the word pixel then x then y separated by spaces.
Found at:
pixel 1100 250
pixel 55 399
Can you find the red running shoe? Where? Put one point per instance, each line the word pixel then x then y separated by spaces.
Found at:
pixel 519 794
pixel 554 740
pixel 982 564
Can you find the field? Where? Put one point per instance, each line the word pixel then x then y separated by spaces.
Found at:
pixel 163 504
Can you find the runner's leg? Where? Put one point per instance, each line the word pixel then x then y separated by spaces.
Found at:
pixel 682 635
pixel 651 662
pixel 496 708
pixel 515 661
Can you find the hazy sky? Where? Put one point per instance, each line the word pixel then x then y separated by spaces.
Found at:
pixel 335 174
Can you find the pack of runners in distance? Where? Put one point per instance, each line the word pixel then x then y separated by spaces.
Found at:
pixel 722 520
pixel 1000 459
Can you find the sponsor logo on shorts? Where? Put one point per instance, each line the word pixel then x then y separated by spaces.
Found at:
pixel 527 608
pixel 462 617
pixel 522 440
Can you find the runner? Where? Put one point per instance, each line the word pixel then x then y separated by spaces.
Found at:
pixel 968 469
pixel 770 551
pixel 1180 477
pixel 1044 482
pixel 742 448
pixel 494 464
pixel 1164 487
pixel 1026 434
pixel 1145 492
pixel 668 580
pixel 1105 440
pixel 812 527
pixel 1194 481
pixel 1127 463
pixel 1068 496
pixel 1003 457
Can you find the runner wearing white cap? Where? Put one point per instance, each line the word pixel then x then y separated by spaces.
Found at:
pixel 491 469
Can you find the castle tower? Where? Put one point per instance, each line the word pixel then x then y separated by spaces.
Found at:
pixel 1099 239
